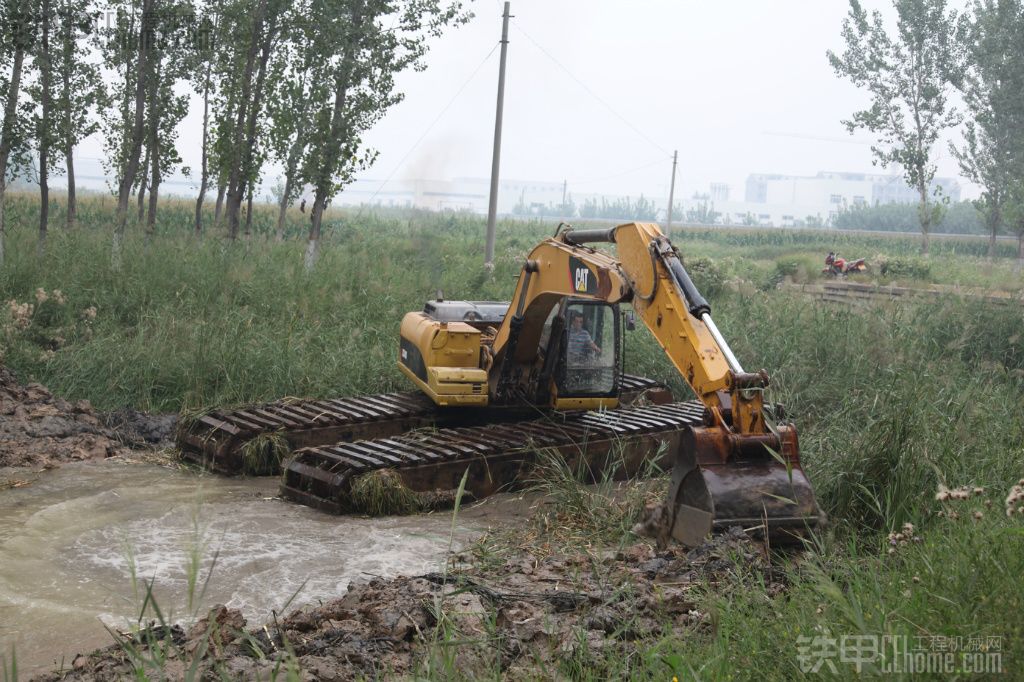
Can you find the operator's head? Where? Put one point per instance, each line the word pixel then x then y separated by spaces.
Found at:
pixel 576 320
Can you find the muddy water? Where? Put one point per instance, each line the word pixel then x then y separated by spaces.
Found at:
pixel 70 542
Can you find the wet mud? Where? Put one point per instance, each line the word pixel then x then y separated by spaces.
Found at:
pixel 40 430
pixel 525 615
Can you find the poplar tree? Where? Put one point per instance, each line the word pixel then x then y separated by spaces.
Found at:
pixel 203 82
pixel 128 45
pixel 16 41
pixel 78 88
pixel 908 73
pixel 356 49
pixel 172 58
pixel 993 92
pixel 257 29
pixel 288 110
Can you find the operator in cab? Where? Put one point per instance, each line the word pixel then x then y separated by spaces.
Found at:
pixel 581 345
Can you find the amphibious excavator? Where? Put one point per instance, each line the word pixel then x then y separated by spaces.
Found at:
pixel 501 382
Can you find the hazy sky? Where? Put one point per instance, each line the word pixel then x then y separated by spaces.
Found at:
pixel 599 93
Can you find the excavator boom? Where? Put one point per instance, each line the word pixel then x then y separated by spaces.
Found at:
pixel 739 467
pixel 734 467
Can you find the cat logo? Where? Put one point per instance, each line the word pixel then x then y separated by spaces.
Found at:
pixel 581 277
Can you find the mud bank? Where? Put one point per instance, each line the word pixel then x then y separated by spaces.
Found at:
pixel 518 619
pixel 38 429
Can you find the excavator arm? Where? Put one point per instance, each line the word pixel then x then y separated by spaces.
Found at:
pixel 648 274
pixel 736 469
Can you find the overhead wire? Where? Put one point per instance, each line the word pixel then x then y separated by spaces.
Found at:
pixel 593 94
pixel 570 74
pixel 430 127
pixel 620 174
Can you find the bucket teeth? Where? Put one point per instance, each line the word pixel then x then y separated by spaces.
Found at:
pixel 719 481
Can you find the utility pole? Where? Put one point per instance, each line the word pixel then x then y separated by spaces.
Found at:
pixel 492 208
pixel 565 188
pixel 671 192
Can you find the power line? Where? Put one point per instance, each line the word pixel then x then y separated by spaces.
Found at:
pixel 431 126
pixel 618 175
pixel 817 138
pixel 591 92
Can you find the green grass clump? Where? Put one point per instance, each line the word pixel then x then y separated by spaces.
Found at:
pixel 264 454
pixel 707 275
pixel 382 493
pixel 956 584
pixel 905 268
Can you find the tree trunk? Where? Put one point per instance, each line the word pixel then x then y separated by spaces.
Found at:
pixel 236 182
pixel 10 113
pixel 282 211
pixel 69 161
pixel 220 203
pixel 1020 248
pixel 316 216
pixel 995 221
pixel 291 168
pixel 131 163
pixel 327 165
pixel 248 214
pixel 69 137
pixel 154 151
pixel 204 168
pixel 154 192
pixel 45 84
pixel 143 180
pixel 924 216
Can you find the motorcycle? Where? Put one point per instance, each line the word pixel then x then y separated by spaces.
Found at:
pixel 837 266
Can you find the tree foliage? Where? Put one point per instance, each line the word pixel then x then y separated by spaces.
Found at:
pixel 621 208
pixel 357 47
pixel 961 218
pixel 908 73
pixel 992 36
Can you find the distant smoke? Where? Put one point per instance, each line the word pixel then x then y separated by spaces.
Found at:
pixel 434 159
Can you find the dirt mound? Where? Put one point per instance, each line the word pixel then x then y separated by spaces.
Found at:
pixel 38 429
pixel 529 614
pixel 140 428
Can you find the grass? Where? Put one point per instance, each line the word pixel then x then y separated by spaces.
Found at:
pixel 956 583
pixel 382 493
pixel 891 402
pixel 265 454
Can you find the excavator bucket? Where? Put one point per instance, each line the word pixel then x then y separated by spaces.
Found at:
pixel 721 479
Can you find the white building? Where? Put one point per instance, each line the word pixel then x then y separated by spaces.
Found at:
pixel 469 194
pixel 788 198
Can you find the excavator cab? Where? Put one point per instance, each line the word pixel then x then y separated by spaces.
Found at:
pixel 589 364
pixel 582 360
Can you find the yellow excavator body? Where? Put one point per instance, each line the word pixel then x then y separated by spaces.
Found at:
pixel 443 360
pixel 557 345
